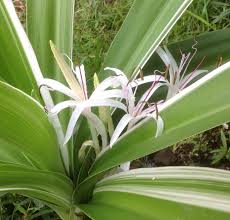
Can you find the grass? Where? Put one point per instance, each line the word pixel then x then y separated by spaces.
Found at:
pixel 97 22
pixel 202 16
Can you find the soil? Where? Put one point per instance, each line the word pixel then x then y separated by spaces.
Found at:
pixel 196 151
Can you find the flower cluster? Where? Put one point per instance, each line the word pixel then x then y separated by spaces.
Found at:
pixel 178 77
pixel 117 92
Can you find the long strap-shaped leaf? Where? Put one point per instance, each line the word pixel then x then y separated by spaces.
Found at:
pixel 27 64
pixel 16 54
pixel 201 106
pixel 53 189
pixel 51 20
pixel 187 193
pixel 26 136
pixel 146 25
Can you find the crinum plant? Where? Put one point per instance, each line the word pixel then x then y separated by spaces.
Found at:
pixel 62 142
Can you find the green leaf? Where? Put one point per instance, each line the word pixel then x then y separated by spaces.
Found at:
pixel 18 62
pixel 26 136
pixel 199 107
pixel 218 51
pixel 50 20
pixel 162 193
pixel 53 189
pixel 146 25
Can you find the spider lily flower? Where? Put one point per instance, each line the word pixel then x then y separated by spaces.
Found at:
pixel 79 99
pixel 128 85
pixel 178 79
pixel 137 112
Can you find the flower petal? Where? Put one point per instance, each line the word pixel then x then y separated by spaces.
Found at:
pixel 120 127
pixel 104 102
pixel 187 79
pixel 147 79
pixel 57 86
pixel 145 98
pixel 80 74
pixel 112 93
pixel 72 122
pixel 172 60
pixel 136 119
pixel 166 59
pixel 111 81
pixel 160 124
pixel 125 84
pixel 62 105
pixel 121 76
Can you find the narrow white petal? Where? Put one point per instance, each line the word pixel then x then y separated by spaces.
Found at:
pixel 120 75
pixel 145 98
pixel 63 105
pixel 72 122
pixel 125 84
pixel 136 120
pixel 187 79
pixel 152 108
pixel 147 79
pixel 172 60
pixel 99 126
pixel 172 91
pixel 104 102
pixel 195 85
pixel 149 110
pixel 160 124
pixel 148 94
pixel 112 93
pixel 80 74
pixel 57 86
pixel 111 81
pixel 120 127
pixel 163 55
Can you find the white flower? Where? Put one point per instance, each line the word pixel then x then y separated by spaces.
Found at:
pixel 136 112
pixel 178 79
pixel 80 101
